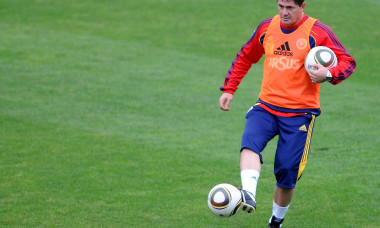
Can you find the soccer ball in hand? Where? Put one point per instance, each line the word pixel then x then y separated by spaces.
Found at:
pixel 320 55
pixel 224 200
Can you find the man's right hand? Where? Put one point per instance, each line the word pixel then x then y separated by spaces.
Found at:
pixel 225 100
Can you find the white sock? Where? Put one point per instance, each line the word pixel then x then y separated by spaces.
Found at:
pixel 279 212
pixel 249 178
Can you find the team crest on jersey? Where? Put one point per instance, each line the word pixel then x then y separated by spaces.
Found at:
pixel 283 50
pixel 301 43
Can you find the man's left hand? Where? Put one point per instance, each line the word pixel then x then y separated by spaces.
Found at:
pixel 318 73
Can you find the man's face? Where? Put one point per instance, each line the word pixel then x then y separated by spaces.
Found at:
pixel 290 12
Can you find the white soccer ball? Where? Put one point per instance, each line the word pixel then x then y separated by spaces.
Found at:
pixel 224 200
pixel 320 55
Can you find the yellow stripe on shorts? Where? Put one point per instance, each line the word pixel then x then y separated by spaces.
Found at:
pixel 306 149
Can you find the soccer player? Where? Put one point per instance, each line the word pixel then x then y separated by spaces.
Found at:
pixel 288 102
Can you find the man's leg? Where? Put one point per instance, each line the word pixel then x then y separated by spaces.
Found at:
pixel 290 160
pixel 260 128
pixel 250 166
pixel 281 201
pixel 249 160
pixel 283 196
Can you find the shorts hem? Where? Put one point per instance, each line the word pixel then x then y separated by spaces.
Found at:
pixel 254 151
pixel 286 186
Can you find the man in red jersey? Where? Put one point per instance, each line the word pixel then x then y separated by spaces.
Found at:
pixel 288 101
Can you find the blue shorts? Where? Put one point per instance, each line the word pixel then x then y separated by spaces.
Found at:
pixel 293 143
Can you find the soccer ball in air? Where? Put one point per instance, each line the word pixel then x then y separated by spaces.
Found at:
pixel 320 55
pixel 224 200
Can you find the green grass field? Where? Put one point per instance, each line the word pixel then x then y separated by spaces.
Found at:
pixel 109 115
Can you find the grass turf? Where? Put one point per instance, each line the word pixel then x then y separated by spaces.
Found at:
pixel 109 115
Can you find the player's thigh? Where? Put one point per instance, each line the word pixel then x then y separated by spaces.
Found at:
pixel 260 128
pixel 293 148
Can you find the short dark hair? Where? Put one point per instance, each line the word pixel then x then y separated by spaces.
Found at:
pixel 298 2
